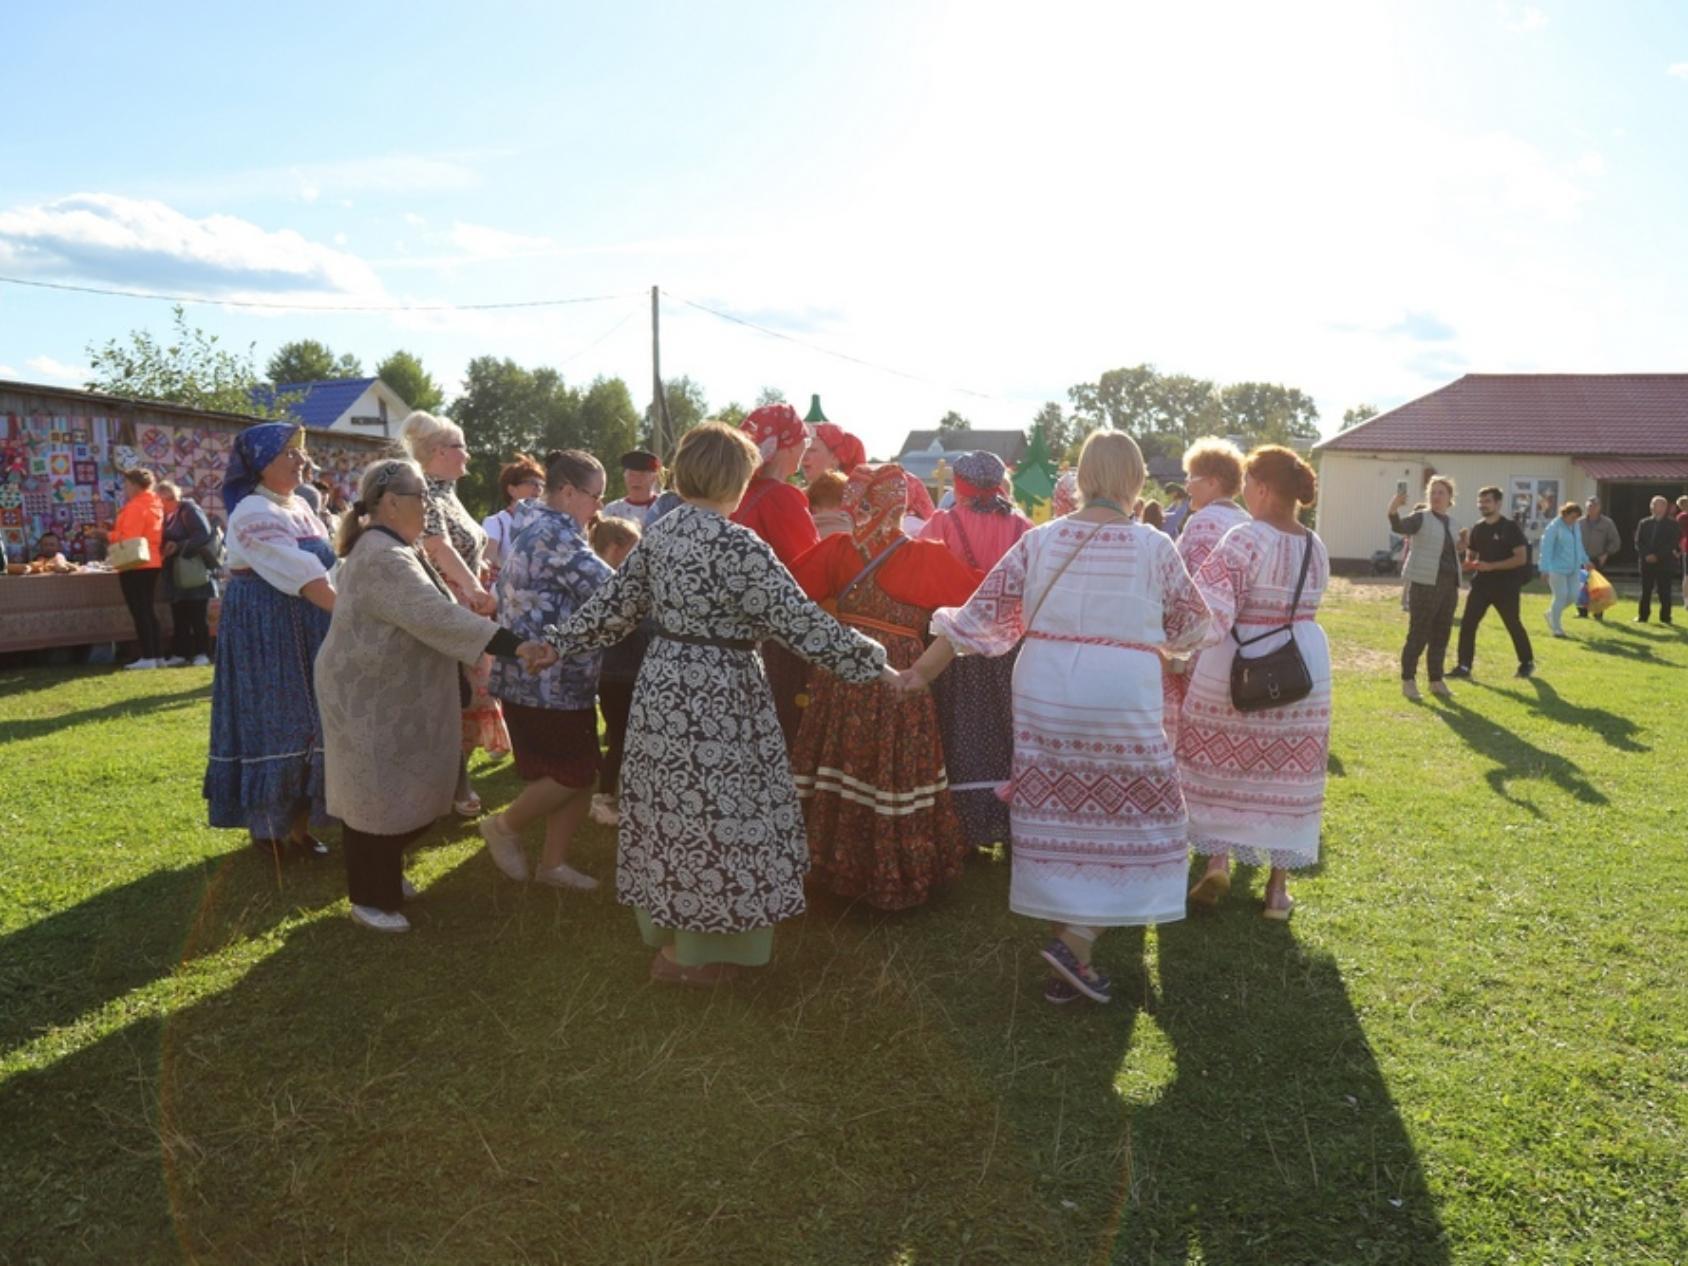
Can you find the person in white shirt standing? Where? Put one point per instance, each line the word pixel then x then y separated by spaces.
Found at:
pixel 642 473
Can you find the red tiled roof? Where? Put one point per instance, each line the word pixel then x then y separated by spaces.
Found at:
pixel 1632 415
pixel 1635 467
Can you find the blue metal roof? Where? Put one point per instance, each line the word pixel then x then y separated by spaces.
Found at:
pixel 319 404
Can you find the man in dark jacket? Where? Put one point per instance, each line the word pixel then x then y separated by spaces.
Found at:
pixel 1496 553
pixel 1658 546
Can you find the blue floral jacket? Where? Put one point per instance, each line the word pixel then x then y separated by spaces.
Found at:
pixel 547 573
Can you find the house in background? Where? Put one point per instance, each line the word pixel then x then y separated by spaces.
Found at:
pixel 1540 438
pixel 923 450
pixel 362 406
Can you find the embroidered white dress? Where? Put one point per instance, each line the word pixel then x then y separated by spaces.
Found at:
pixel 1203 530
pixel 1095 811
pixel 1255 781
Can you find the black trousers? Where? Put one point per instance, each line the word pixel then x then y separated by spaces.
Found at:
pixel 615 700
pixel 374 867
pixel 1430 622
pixel 1656 577
pixel 1503 597
pixel 140 587
pixel 191 634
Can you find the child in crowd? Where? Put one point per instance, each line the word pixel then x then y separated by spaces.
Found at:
pixel 826 503
pixel 613 539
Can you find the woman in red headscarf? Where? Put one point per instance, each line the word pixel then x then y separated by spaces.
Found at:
pixel 870 762
pixel 833 448
pixel 778 512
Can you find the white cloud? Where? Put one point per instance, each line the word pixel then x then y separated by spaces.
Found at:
pixel 480 241
pixel 411 218
pixel 339 239
pixel 58 371
pixel 6 371
pixel 1678 70
pixel 1521 19
pixel 129 241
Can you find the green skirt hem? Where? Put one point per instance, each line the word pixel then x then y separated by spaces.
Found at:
pixel 696 949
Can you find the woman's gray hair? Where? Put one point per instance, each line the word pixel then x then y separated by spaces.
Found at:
pixel 392 474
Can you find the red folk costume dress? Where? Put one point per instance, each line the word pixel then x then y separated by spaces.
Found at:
pixel 869 762
pixel 779 514
pixel 1202 531
pixel 1255 781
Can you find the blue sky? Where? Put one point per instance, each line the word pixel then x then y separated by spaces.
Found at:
pixel 1362 200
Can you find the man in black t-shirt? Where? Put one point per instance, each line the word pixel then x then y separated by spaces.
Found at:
pixel 1496 553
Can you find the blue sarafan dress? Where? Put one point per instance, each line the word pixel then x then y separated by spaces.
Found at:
pixel 266 735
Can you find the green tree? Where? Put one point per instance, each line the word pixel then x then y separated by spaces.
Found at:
pixel 1185 406
pixel 1358 414
pixel 1124 399
pixel 306 360
pixel 506 409
pixel 608 425
pixel 188 368
pixel 770 395
pixel 1268 413
pixel 404 374
pixel 953 423
pixel 732 413
pixel 687 406
pixel 1061 433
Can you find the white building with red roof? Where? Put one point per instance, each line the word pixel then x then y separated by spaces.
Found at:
pixel 1540 438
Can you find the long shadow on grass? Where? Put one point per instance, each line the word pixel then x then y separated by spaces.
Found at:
pixel 1277 1141
pixel 1619 731
pixel 71 963
pixel 144 705
pixel 1514 759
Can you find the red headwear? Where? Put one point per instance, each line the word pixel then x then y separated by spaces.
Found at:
pixel 919 500
pixel 773 427
pixel 846 448
pixel 876 498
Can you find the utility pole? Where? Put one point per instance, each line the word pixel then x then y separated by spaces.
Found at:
pixel 659 398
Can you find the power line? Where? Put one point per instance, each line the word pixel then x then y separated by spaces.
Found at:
pixel 576 355
pixel 313 307
pixel 845 356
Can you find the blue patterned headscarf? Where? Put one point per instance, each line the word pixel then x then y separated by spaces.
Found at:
pixel 255 448
pixel 982 474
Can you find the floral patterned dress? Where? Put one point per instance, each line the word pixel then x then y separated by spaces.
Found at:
pixel 712 841
pixel 483 724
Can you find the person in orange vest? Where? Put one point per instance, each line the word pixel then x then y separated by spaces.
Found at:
pixel 142 517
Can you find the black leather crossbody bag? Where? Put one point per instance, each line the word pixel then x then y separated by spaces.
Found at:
pixel 1280 676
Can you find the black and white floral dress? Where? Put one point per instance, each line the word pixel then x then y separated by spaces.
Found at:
pixel 711 829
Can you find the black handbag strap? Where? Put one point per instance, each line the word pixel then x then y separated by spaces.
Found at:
pixel 1289 624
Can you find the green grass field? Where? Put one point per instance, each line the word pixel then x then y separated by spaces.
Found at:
pixel 1470 1046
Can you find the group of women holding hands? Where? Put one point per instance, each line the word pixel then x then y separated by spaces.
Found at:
pixel 855 710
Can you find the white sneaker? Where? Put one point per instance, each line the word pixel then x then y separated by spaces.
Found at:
pixel 506 849
pixel 605 810
pixel 175 661
pixel 380 920
pixel 407 889
pixel 201 661
pixel 566 876
pixel 143 663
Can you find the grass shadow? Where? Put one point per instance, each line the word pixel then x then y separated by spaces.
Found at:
pixel 1624 650
pixel 144 706
pixel 1549 704
pixel 73 962
pixel 1277 1140
pixel 1514 758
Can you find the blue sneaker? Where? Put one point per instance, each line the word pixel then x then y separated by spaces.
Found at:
pixel 1087 980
